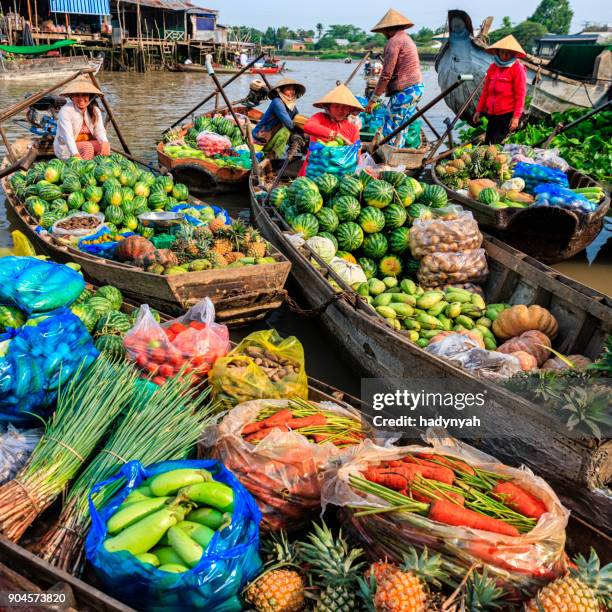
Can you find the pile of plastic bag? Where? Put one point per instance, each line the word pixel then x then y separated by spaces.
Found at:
pixel 549 194
pixel 336 160
pixel 15 448
pixel 550 158
pixel 211 143
pixel 536 174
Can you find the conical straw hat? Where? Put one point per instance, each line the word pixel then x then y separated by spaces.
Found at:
pixel 508 43
pixel 392 19
pixel 339 95
pixel 300 89
pixel 81 85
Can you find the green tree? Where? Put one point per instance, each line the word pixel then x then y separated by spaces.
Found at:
pixel 325 43
pixel 506 23
pixel 320 29
pixel 554 15
pixel 424 35
pixel 528 33
pixel 269 37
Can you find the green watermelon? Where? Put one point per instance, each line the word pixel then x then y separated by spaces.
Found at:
pixel 113 322
pixel 141 189
pixel 128 194
pixel 111 346
pixel 114 214
pixel 166 182
pixel 112 294
pixel 350 185
pixel 399 239
pixel 93 193
pixel 489 195
pixel 48 219
pixel 180 192
pixel 308 201
pixel 59 206
pixel 393 177
pixel 75 200
pixel 53 173
pixel 36 206
pixel 346 256
pixel 157 200
pixel 305 224
pixel 419 211
pixel 301 184
pixel 88 180
pixel 113 196
pixel 99 305
pixel 148 178
pixel 329 236
pixel 116 169
pixel 49 192
pixel 328 219
pixel 433 196
pixel 365 178
pixel 111 226
pixel 368 266
pixel 147 232
pixel 127 178
pixel 278 196
pixel 289 211
pixel 85 295
pixel 378 193
pixel 350 236
pixel 374 246
pixel 88 315
pixel 138 203
pixel 103 172
pixel 417 188
pixel 111 183
pixel 395 216
pixel 346 207
pixel 390 265
pixel 411 266
pixel 71 184
pixel 131 222
pixel 327 184
pixel 10 316
pixel 371 220
pixel 127 206
pixel 404 194
pixel 91 207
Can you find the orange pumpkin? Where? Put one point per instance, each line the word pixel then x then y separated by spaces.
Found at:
pixel 527 361
pixel 579 361
pixel 533 342
pixel 520 318
pixel 133 248
pixel 469 333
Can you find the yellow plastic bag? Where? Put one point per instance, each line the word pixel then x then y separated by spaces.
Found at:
pixel 262 366
pixel 22 247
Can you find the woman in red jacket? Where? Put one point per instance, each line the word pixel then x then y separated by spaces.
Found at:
pixel 335 120
pixel 503 93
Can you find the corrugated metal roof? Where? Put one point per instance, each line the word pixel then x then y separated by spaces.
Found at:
pixel 172 5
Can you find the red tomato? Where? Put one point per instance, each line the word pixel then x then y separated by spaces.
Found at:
pixel 176 359
pixel 151 367
pixel 141 360
pixel 177 328
pixel 158 355
pixel 159 380
pixel 199 360
pixel 197 325
pixel 166 370
pixel 171 335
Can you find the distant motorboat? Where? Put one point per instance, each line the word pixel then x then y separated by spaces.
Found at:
pixel 348 60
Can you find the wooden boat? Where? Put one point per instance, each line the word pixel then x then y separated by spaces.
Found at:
pixel 268 69
pixel 550 90
pixel 411 159
pixel 240 295
pixel 205 177
pixel 550 234
pixel 46 68
pixel 575 467
pixel 202 68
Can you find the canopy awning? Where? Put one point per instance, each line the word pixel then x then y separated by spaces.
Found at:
pixel 81 7
pixel 36 49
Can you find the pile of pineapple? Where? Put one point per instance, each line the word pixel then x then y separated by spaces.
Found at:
pixel 474 163
pixel 324 573
pixel 219 245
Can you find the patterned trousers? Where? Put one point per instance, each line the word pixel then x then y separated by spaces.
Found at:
pixel 401 106
pixel 88 149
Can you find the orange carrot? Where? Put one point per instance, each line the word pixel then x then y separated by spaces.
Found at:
pixel 281 417
pixel 453 464
pixel 519 500
pixel 250 428
pixel 409 471
pixel 423 497
pixel 315 420
pixel 451 514
pixel 386 478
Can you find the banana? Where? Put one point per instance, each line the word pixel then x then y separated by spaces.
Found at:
pixel 411 324
pixel 384 299
pixel 429 322
pixel 465 321
pixel 429 299
pixel 453 310
pixel 404 298
pixel 478 301
pixel 386 312
pixel 457 297
pixel 413 335
pixel 403 311
pixel 408 286
pixel 484 321
pixel 447 324
pixel 438 308
pixel 422 342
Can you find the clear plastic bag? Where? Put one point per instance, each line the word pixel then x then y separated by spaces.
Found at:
pixel 60 232
pixel 518 562
pixel 547 157
pixel 549 194
pixel 229 562
pixel 262 366
pixel 191 343
pixel 283 471
pixel 37 286
pixel 452 268
pixel 211 143
pixel 535 174
pixel 15 448
pixel 452 229
pixel 338 160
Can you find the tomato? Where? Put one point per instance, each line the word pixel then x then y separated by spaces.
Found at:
pixel 141 360
pixel 171 335
pixel 177 328
pixel 159 380
pixel 197 325
pixel 176 359
pixel 158 355
pixel 166 370
pixel 151 367
pixel 199 360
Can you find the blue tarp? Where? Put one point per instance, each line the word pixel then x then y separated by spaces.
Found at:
pixel 81 7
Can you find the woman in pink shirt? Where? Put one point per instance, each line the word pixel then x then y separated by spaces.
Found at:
pixel 503 94
pixel 335 120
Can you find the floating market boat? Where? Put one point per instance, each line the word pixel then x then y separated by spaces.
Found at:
pixel 275 69
pixel 203 176
pixel 411 158
pixel 377 351
pixel 202 68
pixel 550 234
pixel 241 295
pixel 553 87
pixel 38 67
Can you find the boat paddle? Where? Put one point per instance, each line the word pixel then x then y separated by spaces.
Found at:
pixel 22 163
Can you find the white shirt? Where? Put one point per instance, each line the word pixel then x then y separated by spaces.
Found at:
pixel 244 60
pixel 69 124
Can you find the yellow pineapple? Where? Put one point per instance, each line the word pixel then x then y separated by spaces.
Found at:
pixel 233 256
pixel 216 259
pixel 217 224
pixel 223 246
pixel 584 589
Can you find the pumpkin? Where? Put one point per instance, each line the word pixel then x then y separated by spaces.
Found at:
pixel 579 361
pixel 533 342
pixel 133 248
pixel 526 360
pixel 469 333
pixel 163 257
pixel 520 318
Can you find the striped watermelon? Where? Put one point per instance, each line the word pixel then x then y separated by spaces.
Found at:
pixel 111 346
pixel 49 192
pixel 148 178
pixel 350 236
pixel 127 206
pixel 365 178
pixel 130 221
pixel 127 178
pixel 399 239
pixel 166 182
pixel 433 196
pixel 350 185
pixel 393 177
pixel 278 196
pixel 128 194
pixel 112 294
pixel 328 219
pixel 378 193
pixel 180 192
pixel 76 200
pixel 329 236
pixel 113 322
pixel 289 211
pixel 371 220
pixel 308 201
pixel 346 256
pixel 103 172
pixel 88 315
pixel 59 206
pixel 390 265
pixel 48 219
pixel 71 184
pixel 419 211
pixel 346 207
pixel 113 196
pixel 141 189
pixel 375 246
pixel 93 193
pixel 404 194
pixel 90 207
pixel 157 200
pixel 368 266
pixel 415 185
pixel 114 214
pixel 395 216
pixel 99 305
pixel 36 206
pixel 489 195
pixel 305 224
pixel 327 184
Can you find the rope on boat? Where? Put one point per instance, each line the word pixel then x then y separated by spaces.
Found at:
pixel 294 307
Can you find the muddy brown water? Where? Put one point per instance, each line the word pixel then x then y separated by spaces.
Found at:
pixel 146 104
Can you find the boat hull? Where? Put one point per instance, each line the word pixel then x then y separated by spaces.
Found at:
pixel 46 68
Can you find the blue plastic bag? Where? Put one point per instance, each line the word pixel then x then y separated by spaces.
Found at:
pixel 334 160
pixel 229 562
pixel 101 249
pixel 550 194
pixel 36 359
pixel 37 286
pixel 193 221
pixel 536 174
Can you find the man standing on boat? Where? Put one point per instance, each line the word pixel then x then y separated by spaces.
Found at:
pixel 400 79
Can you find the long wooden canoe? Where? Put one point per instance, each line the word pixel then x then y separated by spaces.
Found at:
pixel 240 295
pixel 521 430
pixel 550 234
pixel 205 177
pixel 411 158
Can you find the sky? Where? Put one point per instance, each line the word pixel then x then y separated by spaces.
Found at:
pixel 365 14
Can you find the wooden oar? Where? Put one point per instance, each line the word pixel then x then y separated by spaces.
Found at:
pixel 212 95
pixel 23 163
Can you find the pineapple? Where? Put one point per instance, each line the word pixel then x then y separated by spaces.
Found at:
pixel 222 244
pixel 185 246
pixel 482 592
pixel 254 243
pixel 588 588
pixel 217 260
pixel 217 224
pixel 233 256
pixel 335 568
pixel 278 589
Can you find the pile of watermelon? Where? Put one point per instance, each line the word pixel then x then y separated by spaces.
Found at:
pixel 218 125
pixel 368 219
pixel 112 185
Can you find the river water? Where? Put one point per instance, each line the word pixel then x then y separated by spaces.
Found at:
pixel 146 104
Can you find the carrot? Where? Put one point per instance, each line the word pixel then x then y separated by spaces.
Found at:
pixel 315 420
pixel 451 514
pixel 386 478
pixel 392 464
pixel 250 428
pixel 422 497
pixel 281 417
pixel 519 500
pixel 409 471
pixel 258 436
pixel 454 464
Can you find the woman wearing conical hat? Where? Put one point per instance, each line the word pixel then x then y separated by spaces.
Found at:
pixel 80 127
pixel 274 129
pixel 400 78
pixel 334 122
pixel 503 94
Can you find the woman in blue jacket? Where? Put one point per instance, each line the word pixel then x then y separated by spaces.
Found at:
pixel 274 128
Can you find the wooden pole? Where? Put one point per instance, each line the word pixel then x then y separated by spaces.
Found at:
pixel 221 90
pixel 7 144
pixel 111 115
pixel 30 14
pixel 254 162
